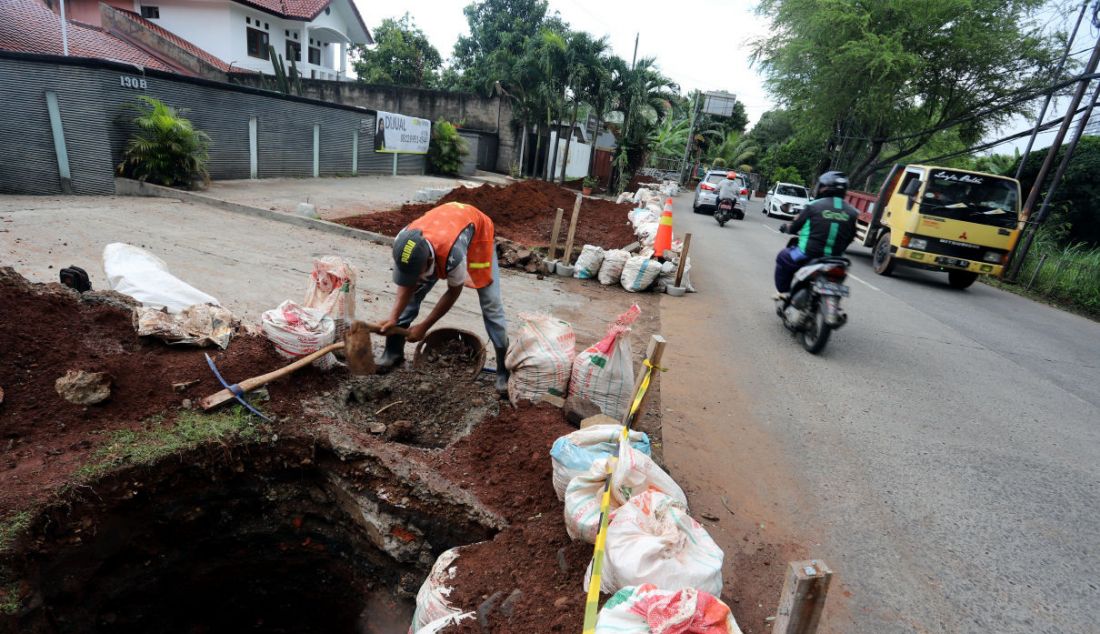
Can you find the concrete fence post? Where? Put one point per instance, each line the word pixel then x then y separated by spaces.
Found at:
pixel 253 158
pixel 59 146
pixel 355 153
pixel 316 150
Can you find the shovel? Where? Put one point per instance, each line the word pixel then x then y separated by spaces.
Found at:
pixel 358 353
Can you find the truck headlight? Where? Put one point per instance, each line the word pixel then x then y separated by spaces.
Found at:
pixel 992 256
pixel 920 244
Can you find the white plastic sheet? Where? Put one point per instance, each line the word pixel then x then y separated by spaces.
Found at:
pixel 145 277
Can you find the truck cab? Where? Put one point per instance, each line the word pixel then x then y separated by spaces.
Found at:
pixel 942 219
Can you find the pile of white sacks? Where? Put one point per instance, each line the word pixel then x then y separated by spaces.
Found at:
pixel 656 553
pixel 662 568
pixel 640 271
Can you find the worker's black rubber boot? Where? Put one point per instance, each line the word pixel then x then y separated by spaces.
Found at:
pixel 502 372
pixel 394 354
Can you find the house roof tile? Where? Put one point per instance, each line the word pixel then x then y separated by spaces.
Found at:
pixel 28 26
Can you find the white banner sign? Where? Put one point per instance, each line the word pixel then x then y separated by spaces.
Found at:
pixel 398 134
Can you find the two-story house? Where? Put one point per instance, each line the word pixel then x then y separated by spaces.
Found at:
pixel 316 34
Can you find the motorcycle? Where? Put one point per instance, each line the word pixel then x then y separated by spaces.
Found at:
pixel 812 310
pixel 727 209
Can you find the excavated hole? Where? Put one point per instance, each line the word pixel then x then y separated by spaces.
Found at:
pixel 275 540
pixel 427 407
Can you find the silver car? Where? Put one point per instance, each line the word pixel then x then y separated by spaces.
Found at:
pixel 706 192
pixel 785 200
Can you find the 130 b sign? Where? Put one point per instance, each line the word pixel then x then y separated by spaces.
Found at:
pixel 132 82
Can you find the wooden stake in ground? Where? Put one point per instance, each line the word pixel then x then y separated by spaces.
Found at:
pixel 682 267
pixel 572 230
pixel 803 597
pixel 554 234
pixel 653 354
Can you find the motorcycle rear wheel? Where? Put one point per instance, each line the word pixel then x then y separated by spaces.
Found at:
pixel 816 334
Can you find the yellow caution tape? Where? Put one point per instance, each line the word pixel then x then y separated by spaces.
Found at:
pixel 592 604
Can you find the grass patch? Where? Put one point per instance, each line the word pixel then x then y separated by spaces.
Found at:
pixel 11 526
pixel 146 446
pixel 1067 277
pixel 9 599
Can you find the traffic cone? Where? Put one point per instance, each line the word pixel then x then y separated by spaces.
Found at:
pixel 663 241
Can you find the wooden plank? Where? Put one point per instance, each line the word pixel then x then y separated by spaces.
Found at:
pixel 554 234
pixel 568 255
pixel 682 267
pixel 654 352
pixel 803 597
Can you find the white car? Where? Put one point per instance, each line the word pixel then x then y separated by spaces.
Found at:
pixel 784 193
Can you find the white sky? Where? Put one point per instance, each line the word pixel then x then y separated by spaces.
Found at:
pixel 705 46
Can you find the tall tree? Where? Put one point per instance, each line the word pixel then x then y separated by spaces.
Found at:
pixel 498 39
pixel 401 56
pixel 583 53
pixel 646 100
pixel 875 80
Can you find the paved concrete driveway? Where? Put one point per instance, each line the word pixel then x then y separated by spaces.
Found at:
pixel 943 454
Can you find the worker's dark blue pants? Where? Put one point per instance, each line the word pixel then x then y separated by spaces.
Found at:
pixel 787 263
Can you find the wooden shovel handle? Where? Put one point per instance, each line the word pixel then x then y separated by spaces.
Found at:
pixel 248 385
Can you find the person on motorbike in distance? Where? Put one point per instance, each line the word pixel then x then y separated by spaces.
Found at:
pixel 825 228
pixel 728 188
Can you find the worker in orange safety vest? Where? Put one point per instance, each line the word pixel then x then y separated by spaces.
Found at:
pixel 452 242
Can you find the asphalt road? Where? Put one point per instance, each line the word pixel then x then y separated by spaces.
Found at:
pixel 942 454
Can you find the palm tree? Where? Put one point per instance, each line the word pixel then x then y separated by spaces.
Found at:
pixel 646 98
pixel 735 149
pixel 582 60
pixel 603 89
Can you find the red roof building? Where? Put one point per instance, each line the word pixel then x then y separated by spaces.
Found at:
pixel 195 38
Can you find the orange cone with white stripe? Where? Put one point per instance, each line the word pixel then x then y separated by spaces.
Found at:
pixel 663 241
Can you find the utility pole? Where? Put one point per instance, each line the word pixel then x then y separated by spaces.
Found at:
pixel 1036 188
pixel 626 115
pixel 687 148
pixel 64 31
pixel 1050 95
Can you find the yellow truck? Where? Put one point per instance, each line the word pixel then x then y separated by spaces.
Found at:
pixel 941 219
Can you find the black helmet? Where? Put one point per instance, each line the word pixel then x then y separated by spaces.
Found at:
pixel 831 184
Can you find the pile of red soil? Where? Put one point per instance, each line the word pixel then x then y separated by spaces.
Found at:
pixel 46 330
pixel 522 212
pixel 505 462
pixel 638 181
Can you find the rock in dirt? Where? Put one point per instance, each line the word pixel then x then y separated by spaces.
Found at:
pixel 84 388
pixel 578 408
pixel 114 299
pixel 709 516
pixel 400 430
pixel 531 266
pixel 377 428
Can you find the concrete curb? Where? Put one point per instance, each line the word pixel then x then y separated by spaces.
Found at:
pixel 130 187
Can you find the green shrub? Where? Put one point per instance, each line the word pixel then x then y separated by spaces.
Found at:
pixel 446 150
pixel 718 163
pixel 165 149
pixel 787 175
pixel 590 181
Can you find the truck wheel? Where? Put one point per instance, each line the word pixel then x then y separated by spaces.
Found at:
pixel 883 261
pixel 961 279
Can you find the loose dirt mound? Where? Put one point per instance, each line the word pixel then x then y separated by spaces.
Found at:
pixel 522 212
pixel 46 330
pixel 505 461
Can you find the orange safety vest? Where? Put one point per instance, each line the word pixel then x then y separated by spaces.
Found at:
pixel 442 226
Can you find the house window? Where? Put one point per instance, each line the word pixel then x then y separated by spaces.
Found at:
pixel 257 43
pixel 314 55
pixel 293 51
pixel 151 13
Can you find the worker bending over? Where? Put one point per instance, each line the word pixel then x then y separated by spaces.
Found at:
pixel 454 242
